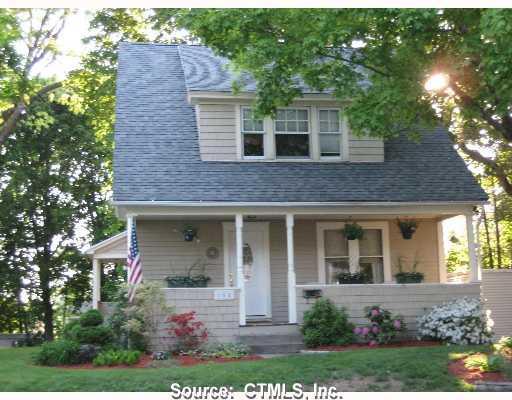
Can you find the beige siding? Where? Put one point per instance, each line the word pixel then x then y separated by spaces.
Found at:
pixel 365 149
pixel 497 297
pixel 410 301
pixel 217 132
pixel 164 252
pixel 422 247
pixel 218 129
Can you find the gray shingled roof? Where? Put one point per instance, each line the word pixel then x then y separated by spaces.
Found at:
pixel 157 153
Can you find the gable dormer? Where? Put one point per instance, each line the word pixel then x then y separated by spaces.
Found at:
pixel 307 130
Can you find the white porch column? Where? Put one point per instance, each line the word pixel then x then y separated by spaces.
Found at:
pixel 473 259
pixel 239 226
pixel 440 253
pixel 292 296
pixel 96 283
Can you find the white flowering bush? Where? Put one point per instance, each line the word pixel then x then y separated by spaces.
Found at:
pixel 459 321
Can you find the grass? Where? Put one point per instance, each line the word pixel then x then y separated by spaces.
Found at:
pixel 417 369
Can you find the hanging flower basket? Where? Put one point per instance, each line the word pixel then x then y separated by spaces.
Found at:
pixel 408 227
pixel 189 233
pixel 353 231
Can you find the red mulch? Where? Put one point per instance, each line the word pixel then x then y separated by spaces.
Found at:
pixel 471 375
pixel 358 346
pixel 144 361
pixel 188 361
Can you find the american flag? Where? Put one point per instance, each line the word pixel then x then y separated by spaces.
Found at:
pixel 134 265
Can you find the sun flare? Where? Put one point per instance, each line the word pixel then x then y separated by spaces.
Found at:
pixel 437 82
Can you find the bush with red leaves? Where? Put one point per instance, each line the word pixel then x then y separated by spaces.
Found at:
pixel 189 332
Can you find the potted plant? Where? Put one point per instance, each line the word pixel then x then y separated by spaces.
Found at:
pixel 353 231
pixel 190 280
pixel 351 277
pixel 407 227
pixel 408 277
pixel 189 233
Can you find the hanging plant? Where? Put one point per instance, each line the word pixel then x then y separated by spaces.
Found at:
pixel 407 227
pixel 189 233
pixel 353 231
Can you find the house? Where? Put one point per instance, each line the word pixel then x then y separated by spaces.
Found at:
pixel 268 199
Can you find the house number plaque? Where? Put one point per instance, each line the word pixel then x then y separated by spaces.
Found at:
pixel 224 294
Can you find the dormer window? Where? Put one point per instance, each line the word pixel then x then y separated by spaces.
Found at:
pixel 253 135
pixel 330 133
pixel 292 133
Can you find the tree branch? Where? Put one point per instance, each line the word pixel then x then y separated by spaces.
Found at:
pixel 14 114
pixel 499 171
pixel 350 61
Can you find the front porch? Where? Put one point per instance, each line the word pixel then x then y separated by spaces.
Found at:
pixel 263 265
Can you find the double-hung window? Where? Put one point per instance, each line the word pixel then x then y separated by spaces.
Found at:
pixel 253 135
pixel 339 255
pixel 330 132
pixel 292 133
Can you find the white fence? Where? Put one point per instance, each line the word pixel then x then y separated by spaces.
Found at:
pixel 497 298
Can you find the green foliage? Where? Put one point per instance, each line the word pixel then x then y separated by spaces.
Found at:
pixel 348 277
pixel 68 332
pixel 187 281
pixel 504 346
pixel 117 357
pixel 383 327
pixel 99 335
pixel 379 59
pixel 58 352
pixel 485 363
pixel 91 318
pixel 133 324
pixel 224 350
pixel 353 231
pixel 324 324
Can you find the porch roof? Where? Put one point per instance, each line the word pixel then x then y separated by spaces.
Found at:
pixel 114 247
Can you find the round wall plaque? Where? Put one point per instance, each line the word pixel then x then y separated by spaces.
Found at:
pixel 212 252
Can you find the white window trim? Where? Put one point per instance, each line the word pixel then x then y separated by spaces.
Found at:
pixel 353 246
pixel 342 132
pixel 314 136
pixel 242 132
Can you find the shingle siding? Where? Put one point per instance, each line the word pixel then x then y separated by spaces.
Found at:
pixel 157 158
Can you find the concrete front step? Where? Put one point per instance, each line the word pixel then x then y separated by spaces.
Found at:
pixel 284 342
pixel 266 330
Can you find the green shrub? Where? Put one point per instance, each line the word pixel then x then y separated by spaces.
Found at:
pixel 324 324
pixel 58 352
pixel 91 318
pixel 117 357
pixel 225 350
pixel 100 335
pixel 485 363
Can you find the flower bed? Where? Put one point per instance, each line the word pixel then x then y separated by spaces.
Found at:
pixel 473 374
pixel 144 361
pixel 187 361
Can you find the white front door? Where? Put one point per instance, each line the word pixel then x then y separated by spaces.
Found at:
pixel 256 267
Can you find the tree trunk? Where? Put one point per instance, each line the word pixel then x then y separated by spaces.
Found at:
pixel 488 239
pixel 44 278
pixel 497 229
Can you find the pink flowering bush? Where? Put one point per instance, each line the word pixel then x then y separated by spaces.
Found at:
pixel 383 326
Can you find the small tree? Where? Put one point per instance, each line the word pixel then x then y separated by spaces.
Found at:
pixel 325 324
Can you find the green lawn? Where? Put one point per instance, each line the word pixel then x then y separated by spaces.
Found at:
pixel 408 369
